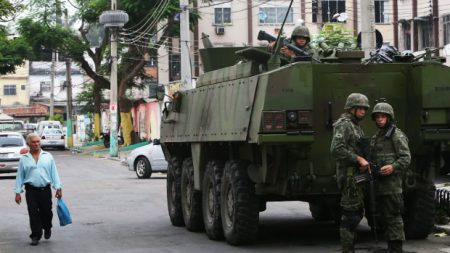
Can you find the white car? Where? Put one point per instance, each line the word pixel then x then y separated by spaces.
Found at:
pixel 53 137
pixel 147 159
pixel 12 147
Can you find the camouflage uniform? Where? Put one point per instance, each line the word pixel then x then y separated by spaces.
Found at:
pixel 390 146
pixel 344 148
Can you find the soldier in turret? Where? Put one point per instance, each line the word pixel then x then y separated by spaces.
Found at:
pixel 345 149
pixel 389 150
pixel 300 38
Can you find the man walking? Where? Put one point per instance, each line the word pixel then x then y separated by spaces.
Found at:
pixel 346 151
pixel 37 171
pixel 389 149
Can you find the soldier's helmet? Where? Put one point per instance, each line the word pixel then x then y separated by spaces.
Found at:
pixel 356 100
pixel 301 31
pixel 383 108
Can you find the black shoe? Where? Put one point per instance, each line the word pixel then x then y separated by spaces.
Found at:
pixel 34 241
pixel 47 233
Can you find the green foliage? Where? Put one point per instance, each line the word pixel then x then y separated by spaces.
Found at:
pixel 13 51
pixel 41 36
pixel 86 99
pixel 57 117
pixel 336 36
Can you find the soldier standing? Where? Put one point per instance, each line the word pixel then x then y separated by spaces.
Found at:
pixel 389 149
pixel 344 148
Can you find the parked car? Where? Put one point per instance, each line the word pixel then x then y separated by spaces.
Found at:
pixel 53 137
pixel 42 125
pixel 13 126
pixel 147 159
pixel 12 146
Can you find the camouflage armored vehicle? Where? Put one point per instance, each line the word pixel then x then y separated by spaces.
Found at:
pixel 253 131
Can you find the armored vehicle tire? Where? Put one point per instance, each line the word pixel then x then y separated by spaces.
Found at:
pixel 419 213
pixel 238 203
pixel 211 200
pixel 142 168
pixel 174 191
pixel 191 200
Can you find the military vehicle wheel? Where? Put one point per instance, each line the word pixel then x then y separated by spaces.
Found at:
pixel 174 191
pixel 211 200
pixel 191 200
pixel 419 213
pixel 239 205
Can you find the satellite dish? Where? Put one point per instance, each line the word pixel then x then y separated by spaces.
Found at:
pixel 342 17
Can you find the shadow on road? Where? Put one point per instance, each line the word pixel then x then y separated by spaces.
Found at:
pixel 277 231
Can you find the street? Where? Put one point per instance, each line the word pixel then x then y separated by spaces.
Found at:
pixel 113 211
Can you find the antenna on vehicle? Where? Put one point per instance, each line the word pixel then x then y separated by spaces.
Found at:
pixel 274 61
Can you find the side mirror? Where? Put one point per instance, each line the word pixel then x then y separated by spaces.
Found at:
pixel 157 91
pixel 156 142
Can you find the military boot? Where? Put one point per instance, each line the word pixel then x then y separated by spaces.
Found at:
pixel 395 246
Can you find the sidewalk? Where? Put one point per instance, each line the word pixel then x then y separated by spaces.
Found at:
pixel 97 149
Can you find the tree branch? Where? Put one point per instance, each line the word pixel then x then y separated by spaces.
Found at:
pixel 99 80
pixel 83 33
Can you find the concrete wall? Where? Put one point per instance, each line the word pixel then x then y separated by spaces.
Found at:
pixel 20 80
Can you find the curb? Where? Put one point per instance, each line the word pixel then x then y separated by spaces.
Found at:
pixel 442 228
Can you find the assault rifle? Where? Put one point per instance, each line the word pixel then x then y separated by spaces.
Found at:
pixel 369 176
pixel 262 35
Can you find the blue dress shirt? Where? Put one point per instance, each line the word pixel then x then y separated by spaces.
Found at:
pixel 38 174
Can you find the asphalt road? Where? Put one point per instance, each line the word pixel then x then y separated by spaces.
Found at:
pixel 113 211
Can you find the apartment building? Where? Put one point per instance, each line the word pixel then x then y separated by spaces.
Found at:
pixel 14 88
pixel 405 24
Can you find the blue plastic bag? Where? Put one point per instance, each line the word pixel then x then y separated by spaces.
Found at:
pixel 63 213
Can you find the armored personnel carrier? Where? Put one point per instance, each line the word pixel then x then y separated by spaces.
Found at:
pixel 257 128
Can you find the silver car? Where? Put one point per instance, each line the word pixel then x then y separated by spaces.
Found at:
pixel 147 159
pixel 53 137
pixel 12 147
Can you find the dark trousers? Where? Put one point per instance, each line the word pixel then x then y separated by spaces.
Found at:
pixel 39 202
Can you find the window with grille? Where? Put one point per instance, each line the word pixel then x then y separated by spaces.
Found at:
pixel 275 15
pixel 379 11
pixel 45 86
pixel 425 34
pixel 222 16
pixel 330 8
pixel 446 28
pixel 9 90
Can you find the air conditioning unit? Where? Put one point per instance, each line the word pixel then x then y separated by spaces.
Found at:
pixel 220 30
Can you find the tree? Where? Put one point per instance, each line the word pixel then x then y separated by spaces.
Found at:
pixel 138 32
pixel 13 51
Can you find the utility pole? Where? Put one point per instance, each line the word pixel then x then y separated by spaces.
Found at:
pixel 52 84
pixel 185 45
pixel 113 19
pixel 54 62
pixel 69 124
pixel 367 27
pixel 113 148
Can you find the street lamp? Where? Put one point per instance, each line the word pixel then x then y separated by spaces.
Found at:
pixel 113 19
